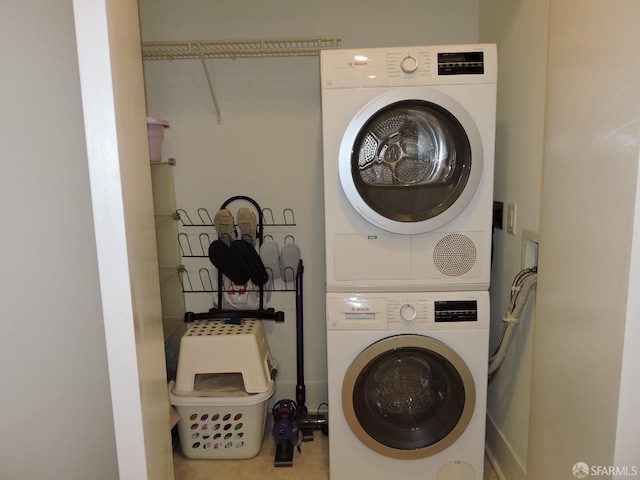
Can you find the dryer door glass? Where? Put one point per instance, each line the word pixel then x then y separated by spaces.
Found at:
pixel 408 400
pixel 411 161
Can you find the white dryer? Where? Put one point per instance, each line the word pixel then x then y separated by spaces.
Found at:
pixel 408 148
pixel 407 379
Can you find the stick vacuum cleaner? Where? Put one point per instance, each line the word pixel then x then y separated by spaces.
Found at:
pixel 291 420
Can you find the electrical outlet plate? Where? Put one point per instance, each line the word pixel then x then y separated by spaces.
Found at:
pixel 529 249
pixel 512 209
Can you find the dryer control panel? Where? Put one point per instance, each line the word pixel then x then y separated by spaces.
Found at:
pixel 461 63
pixel 405 66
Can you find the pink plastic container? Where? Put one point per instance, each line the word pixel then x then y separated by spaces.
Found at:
pixel 155 130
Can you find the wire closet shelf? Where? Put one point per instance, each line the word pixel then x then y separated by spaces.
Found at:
pixel 198 49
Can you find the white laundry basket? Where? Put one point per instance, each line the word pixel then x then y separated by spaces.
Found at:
pixel 221 427
pixel 223 384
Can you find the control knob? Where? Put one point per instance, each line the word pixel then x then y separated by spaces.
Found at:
pixel 409 64
pixel 408 313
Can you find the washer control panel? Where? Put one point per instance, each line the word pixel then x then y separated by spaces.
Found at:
pixel 409 311
pixel 456 311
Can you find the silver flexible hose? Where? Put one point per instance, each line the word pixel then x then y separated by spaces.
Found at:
pixel 522 285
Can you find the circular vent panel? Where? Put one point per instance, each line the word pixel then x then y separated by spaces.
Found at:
pixel 454 255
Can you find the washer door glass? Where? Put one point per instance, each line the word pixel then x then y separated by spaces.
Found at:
pixel 411 166
pixel 408 396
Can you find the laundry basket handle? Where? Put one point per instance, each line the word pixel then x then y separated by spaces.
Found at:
pixel 235 316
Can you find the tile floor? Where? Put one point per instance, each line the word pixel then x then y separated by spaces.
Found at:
pixel 311 463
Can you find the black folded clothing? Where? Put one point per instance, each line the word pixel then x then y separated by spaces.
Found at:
pixel 245 254
pixel 239 262
pixel 224 259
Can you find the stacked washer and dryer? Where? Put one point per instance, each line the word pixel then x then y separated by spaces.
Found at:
pixel 408 139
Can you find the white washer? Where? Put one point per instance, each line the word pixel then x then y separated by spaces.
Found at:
pixel 407 378
pixel 408 147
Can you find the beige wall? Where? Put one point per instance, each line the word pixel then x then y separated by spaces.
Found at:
pixel 586 232
pixel 578 128
pixel 56 402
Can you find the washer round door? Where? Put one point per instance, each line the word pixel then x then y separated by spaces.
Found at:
pixel 408 164
pixel 408 396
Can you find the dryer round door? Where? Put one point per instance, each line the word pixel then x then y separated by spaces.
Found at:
pixel 408 396
pixel 411 160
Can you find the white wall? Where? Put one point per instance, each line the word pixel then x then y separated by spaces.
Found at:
pixel 586 234
pixel 268 145
pixel 56 408
pixel 520 30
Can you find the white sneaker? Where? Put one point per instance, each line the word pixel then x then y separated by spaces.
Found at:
pixel 270 256
pixel 289 258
